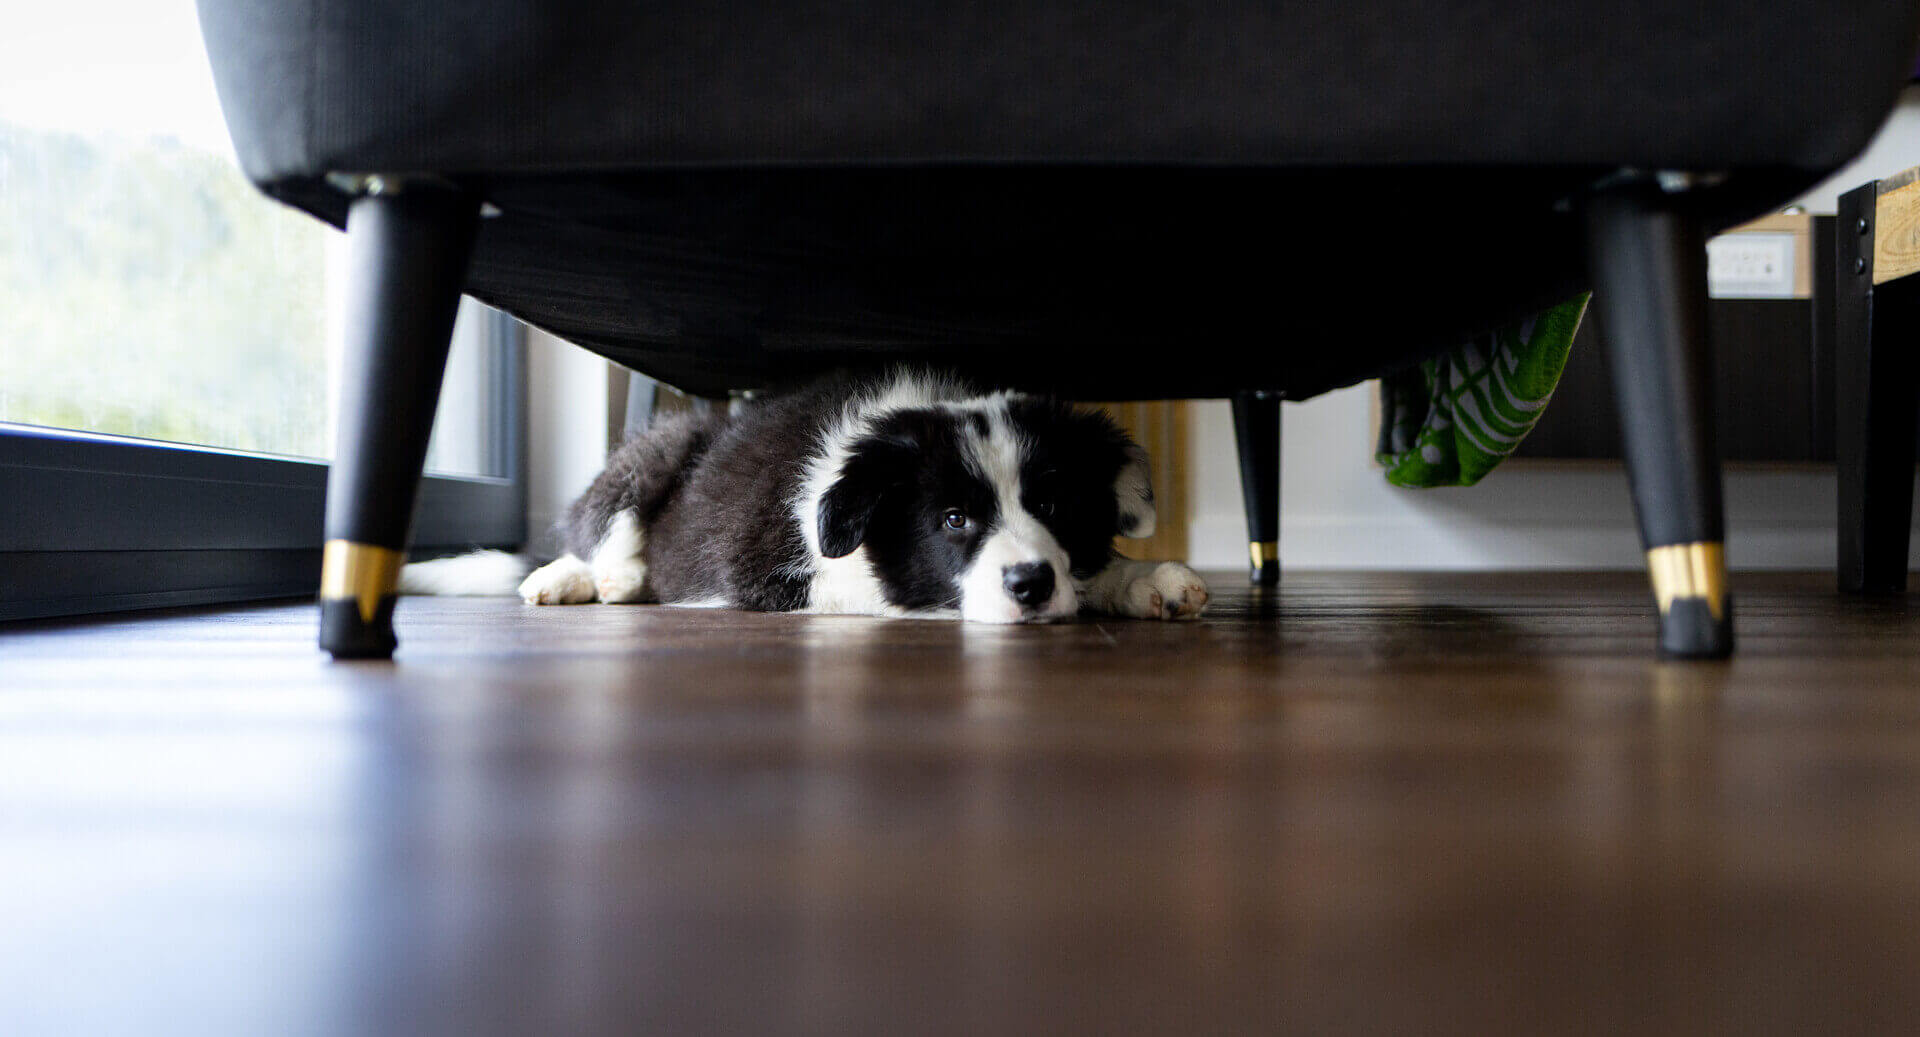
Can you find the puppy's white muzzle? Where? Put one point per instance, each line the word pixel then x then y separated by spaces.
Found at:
pixel 1001 586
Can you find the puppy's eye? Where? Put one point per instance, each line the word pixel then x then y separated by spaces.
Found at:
pixel 956 519
pixel 1040 493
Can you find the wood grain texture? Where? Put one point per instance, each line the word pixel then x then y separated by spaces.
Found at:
pixel 1358 804
pixel 1896 229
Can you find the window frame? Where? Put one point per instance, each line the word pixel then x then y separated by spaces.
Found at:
pixel 92 523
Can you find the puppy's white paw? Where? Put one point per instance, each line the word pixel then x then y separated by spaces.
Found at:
pixel 1169 591
pixel 564 581
pixel 620 583
pixel 618 572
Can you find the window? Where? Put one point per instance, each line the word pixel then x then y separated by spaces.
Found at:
pixel 169 340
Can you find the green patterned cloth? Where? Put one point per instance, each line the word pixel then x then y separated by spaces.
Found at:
pixel 1451 420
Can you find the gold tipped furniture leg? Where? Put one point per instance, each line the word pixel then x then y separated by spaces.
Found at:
pixel 1256 434
pixel 1690 585
pixel 1647 257
pixel 1265 556
pixel 408 242
pixel 357 583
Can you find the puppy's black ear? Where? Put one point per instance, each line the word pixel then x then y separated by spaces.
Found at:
pixel 1133 494
pixel 874 466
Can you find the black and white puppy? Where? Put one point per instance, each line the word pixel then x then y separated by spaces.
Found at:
pixel 903 494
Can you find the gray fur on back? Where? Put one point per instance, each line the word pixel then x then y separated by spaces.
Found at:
pixel 714 500
pixel 642 475
pixel 729 533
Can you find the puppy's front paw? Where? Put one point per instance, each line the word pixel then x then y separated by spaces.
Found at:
pixel 564 581
pixel 1169 591
pixel 621 583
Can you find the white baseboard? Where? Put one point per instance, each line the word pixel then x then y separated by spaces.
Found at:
pixel 1370 542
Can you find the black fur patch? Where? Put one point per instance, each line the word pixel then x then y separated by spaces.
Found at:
pixel 877 466
pixel 899 487
pixel 1066 478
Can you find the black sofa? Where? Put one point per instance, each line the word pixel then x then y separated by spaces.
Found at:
pixel 1107 201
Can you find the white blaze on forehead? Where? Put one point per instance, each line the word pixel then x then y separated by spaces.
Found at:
pixel 1016 536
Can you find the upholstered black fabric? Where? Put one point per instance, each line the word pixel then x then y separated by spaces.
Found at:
pixel 728 194
pixel 1090 281
pixel 522 86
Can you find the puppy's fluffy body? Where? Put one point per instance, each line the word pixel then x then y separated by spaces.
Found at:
pixel 901 494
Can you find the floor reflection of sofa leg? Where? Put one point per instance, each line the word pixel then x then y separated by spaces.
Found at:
pixel 409 243
pixel 1647 258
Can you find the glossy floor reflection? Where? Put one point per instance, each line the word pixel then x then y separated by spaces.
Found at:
pixel 1362 803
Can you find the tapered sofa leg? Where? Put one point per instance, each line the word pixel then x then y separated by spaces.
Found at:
pixel 408 247
pixel 1876 379
pixel 1648 262
pixel 1256 430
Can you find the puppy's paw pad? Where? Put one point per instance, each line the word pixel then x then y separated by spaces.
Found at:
pixel 1182 592
pixel 1168 591
pixel 561 582
pixel 621 584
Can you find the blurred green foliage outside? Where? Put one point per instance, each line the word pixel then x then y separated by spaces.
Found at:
pixel 147 290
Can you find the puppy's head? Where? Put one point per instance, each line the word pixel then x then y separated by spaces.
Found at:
pixel 994 506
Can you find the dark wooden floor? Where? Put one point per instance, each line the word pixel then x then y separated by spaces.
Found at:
pixel 1424 804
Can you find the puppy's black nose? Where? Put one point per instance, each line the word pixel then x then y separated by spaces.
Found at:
pixel 1030 583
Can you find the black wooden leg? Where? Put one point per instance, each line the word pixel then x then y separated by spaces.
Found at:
pixel 1256 428
pixel 408 251
pixel 1877 374
pixel 1648 261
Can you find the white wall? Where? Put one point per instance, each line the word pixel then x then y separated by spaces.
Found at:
pixel 1337 511
pixel 1896 147
pixel 566 429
